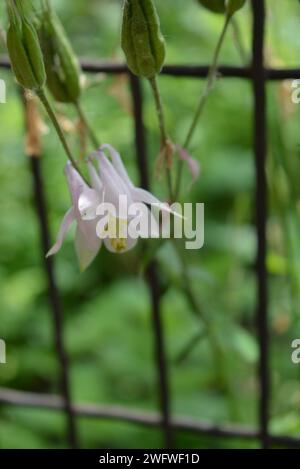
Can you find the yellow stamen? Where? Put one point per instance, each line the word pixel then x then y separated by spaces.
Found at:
pixel 119 244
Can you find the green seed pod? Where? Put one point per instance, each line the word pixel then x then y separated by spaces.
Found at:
pixel 142 41
pixel 34 51
pixel 25 52
pixel 234 5
pixel 223 6
pixel 18 58
pixel 55 82
pixel 62 66
pixel 217 6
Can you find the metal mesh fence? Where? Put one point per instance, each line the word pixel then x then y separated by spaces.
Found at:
pixel 259 75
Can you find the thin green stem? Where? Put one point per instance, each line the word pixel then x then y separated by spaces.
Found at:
pixel 41 94
pixel 93 137
pixel 238 41
pixel 217 350
pixel 212 74
pixel 159 110
pixel 189 347
pixel 164 139
pixel 187 287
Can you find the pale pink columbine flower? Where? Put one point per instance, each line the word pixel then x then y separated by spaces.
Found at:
pixel 87 244
pixel 109 183
pixel 111 180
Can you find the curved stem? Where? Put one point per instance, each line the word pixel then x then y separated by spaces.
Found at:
pixel 93 137
pixel 164 139
pixel 41 94
pixel 212 74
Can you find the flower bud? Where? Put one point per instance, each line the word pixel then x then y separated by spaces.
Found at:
pixel 24 50
pixel 62 66
pixel 142 41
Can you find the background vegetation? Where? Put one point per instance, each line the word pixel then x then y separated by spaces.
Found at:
pixel 106 309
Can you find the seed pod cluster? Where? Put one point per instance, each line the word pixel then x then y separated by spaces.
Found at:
pixel 62 66
pixel 24 50
pixel 142 40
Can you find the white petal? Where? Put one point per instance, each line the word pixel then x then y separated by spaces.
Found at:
pixel 65 225
pixel 88 202
pixel 75 182
pixel 114 185
pixel 88 230
pixel 141 195
pixel 95 178
pixel 84 253
pixel 117 163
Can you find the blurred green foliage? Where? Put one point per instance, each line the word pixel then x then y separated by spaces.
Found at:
pixel 108 329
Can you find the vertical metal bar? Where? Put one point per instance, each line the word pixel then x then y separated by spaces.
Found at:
pixel 152 274
pixel 40 202
pixel 260 146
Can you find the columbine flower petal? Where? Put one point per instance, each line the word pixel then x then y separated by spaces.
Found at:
pixel 95 179
pixel 141 195
pixel 87 204
pixel 118 163
pixel 137 194
pixel 113 184
pixel 64 227
pixel 83 210
pixel 85 253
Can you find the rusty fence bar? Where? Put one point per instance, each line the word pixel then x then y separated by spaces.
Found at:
pixel 139 417
pixel 260 150
pixel 54 298
pixel 259 75
pixel 152 271
pixel 183 71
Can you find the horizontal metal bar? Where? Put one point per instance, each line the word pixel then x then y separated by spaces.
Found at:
pixel 192 71
pixel 147 419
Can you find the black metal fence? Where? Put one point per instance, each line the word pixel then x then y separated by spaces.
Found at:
pixel 258 74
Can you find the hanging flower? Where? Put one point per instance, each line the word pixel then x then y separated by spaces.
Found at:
pixel 115 187
pixel 110 186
